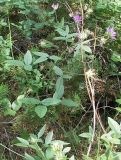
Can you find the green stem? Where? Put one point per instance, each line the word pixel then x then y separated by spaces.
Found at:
pixel 40 153
pixel 9 25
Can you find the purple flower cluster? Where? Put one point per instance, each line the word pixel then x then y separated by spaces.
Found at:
pixel 111 33
pixel 77 18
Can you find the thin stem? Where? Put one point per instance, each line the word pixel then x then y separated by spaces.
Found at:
pixel 82 14
pixel 68 7
pixel 11 150
pixel 9 25
pixel 56 16
pixel 95 39
pixel 8 143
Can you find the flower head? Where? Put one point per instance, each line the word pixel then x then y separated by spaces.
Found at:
pixel 55 6
pixel 90 73
pixel 77 18
pixel 111 33
pixel 103 40
pixel 71 14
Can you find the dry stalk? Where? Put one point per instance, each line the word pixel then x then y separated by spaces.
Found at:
pixel 90 78
pixel 90 83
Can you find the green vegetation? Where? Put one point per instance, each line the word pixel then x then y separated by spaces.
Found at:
pixel 60 85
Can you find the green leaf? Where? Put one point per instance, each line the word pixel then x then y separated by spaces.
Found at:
pixel 72 35
pixel 67 30
pixel 41 111
pixel 90 130
pixel 118 101
pixel 60 38
pixel 28 58
pixel 41 132
pixel 10 112
pixel 58 71
pixel 49 153
pixel 19 98
pixel 116 155
pixel 21 145
pixel 59 83
pixel 114 140
pixel 114 125
pixel 41 54
pixel 59 88
pixel 28 67
pixel 33 139
pixel 66 150
pixel 23 141
pixel 102 157
pixel 55 58
pixel 50 101
pixel 78 47
pixel 15 63
pixel 69 103
pixel 85 135
pixel 76 53
pixel 28 157
pixel 40 60
pixel 16 106
pixel 49 137
pixel 86 48
pixel 47 44
pixel 118 109
pixel 108 138
pixel 31 101
pixel 38 25
pixel 61 32
pixel 116 57
pixel 62 143
pixel 67 77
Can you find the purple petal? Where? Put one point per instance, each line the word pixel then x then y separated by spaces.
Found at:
pixel 77 18
pixel 111 32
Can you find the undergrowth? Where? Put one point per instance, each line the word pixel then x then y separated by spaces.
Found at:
pixel 60 71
